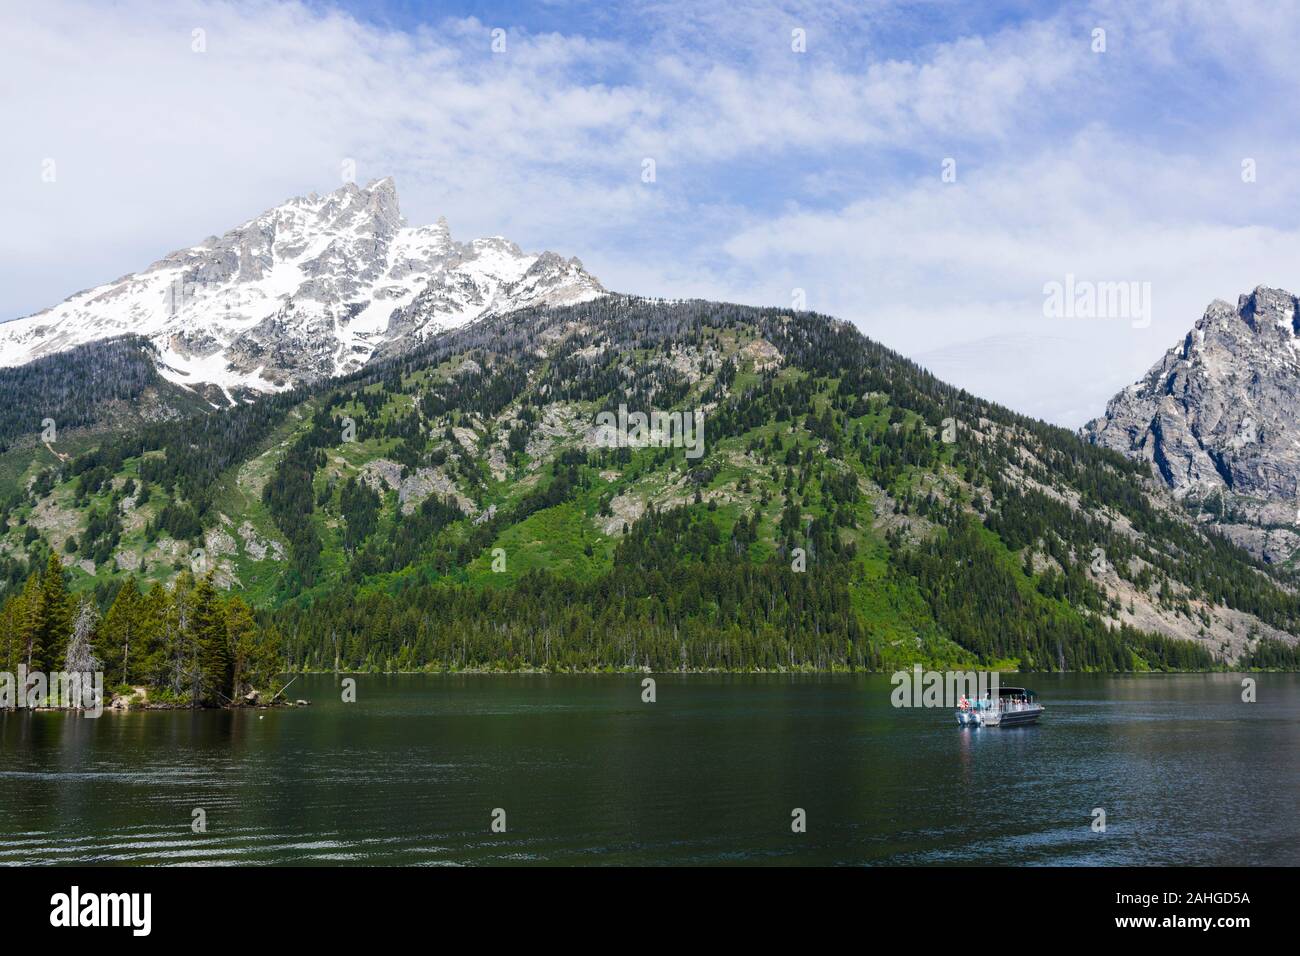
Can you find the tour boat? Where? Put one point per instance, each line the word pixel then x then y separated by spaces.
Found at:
pixel 1014 706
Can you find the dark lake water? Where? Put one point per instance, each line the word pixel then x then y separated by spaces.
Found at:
pixel 710 773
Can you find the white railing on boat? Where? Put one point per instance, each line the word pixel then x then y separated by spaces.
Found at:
pixel 1014 706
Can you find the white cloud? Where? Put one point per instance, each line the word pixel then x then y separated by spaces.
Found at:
pixel 775 170
pixel 936 267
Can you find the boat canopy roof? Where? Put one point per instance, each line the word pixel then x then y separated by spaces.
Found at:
pixel 1015 692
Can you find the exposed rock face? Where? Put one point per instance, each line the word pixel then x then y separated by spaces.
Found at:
pixel 313 288
pixel 1216 418
pixel 382 473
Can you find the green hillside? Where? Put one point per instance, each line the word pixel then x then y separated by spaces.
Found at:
pixel 457 508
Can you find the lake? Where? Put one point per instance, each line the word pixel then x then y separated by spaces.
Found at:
pixel 711 772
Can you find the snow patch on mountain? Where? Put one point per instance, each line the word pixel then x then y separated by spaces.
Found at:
pixel 307 290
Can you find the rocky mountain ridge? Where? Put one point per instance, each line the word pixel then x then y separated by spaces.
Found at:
pixel 1216 419
pixel 308 290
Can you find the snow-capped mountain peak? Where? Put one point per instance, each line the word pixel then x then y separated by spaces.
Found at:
pixel 308 289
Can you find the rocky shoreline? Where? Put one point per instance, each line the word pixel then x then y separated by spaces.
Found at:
pixel 138 699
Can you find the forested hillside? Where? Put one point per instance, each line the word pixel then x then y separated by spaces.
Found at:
pixel 457 507
pixel 105 384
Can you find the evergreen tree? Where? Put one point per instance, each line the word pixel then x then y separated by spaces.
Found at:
pixel 51 619
pixel 121 632
pixel 155 653
pixel 244 648
pixel 210 638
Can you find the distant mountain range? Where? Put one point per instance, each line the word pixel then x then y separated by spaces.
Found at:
pixel 313 288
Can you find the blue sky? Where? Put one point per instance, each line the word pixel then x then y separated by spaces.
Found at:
pixel 776 170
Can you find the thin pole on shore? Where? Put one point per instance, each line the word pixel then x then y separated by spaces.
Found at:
pixel 284 688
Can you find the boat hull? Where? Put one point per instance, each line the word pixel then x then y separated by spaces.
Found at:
pixel 1017 717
